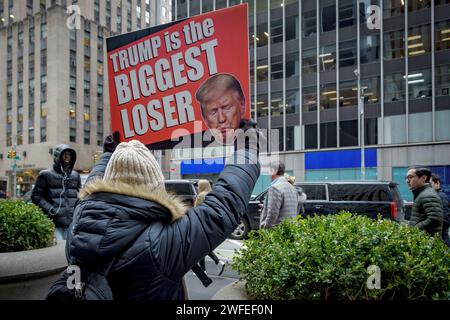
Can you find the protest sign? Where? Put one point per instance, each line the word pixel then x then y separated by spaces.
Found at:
pixel 158 75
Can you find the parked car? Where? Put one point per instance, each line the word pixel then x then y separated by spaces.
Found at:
pixel 407 209
pixel 184 189
pixel 369 198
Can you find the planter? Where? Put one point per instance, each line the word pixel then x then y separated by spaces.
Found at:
pixel 233 291
pixel 27 275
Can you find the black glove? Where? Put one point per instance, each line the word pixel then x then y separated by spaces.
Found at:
pixel 111 142
pixel 249 136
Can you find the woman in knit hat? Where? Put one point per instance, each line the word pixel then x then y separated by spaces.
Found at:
pixel 127 217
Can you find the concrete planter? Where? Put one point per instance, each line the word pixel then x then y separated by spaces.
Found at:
pixel 233 291
pixel 27 275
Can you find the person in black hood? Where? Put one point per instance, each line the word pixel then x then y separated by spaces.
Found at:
pixel 56 189
pixel 150 236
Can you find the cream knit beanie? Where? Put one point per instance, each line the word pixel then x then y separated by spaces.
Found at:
pixel 132 163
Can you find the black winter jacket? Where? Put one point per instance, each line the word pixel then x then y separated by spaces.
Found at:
pixel 426 213
pixel 156 241
pixel 55 191
pixel 446 208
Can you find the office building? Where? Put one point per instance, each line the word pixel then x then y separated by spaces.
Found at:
pixel 330 78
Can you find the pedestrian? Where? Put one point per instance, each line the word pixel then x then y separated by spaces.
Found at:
pixel 301 194
pixel 152 238
pixel 56 189
pixel 436 184
pixel 282 200
pixel 427 212
pixel 204 187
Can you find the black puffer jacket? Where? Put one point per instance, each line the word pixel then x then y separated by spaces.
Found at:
pixel 55 191
pixel 155 239
pixel 427 213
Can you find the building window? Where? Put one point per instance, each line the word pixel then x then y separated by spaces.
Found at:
pixel 348 133
pixel 291 64
pixel 347 13
pixel 262 106
pixel 292 101
pixel 442 35
pixel 393 8
pixel 394 87
pixel 208 5
pixel 415 5
pixel 291 26
pixel 276 70
pixel 394 45
pixel 328 135
pixel 43 31
pixel 309 99
pixel 328 96
pixel 443 80
pixel 311 136
pixel 309 61
pixel 309 23
pixel 347 53
pixel 262 70
pixel 328 18
pixel 371 88
pixel 419 41
pixel 327 58
pixel 419 84
pixel 370 48
pixel 348 94
pixel 276 104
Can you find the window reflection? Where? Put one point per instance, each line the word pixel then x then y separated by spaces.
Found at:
pixel 394 87
pixel 347 13
pixel 327 58
pixel 347 53
pixel 291 64
pixel 393 8
pixel 328 18
pixel 309 23
pixel 419 84
pixel 443 80
pixel 442 35
pixel 309 61
pixel 328 96
pixel 262 70
pixel 348 94
pixel 309 99
pixel 276 104
pixel 370 48
pixel 371 88
pixel 292 101
pixel 262 107
pixel 414 5
pixel 419 40
pixel 394 45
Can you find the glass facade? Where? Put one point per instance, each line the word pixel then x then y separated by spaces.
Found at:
pixel 400 86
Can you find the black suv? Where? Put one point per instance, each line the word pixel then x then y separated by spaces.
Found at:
pixel 184 189
pixel 368 198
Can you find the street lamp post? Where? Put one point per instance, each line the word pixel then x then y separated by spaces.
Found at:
pixel 361 115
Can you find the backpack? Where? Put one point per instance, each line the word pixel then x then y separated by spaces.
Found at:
pixel 81 283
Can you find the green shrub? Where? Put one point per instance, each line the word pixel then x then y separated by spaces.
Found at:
pixel 327 257
pixel 24 227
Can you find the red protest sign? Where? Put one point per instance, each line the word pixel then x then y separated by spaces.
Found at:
pixel 181 78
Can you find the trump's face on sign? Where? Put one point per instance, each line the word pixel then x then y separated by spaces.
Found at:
pixel 223 106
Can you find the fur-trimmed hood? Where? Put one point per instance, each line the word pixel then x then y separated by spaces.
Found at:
pixel 174 204
pixel 111 216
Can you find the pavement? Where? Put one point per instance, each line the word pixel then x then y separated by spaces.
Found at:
pixel 225 252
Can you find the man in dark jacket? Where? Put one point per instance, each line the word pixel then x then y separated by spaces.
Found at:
pixel 56 189
pixel 436 184
pixel 426 213
pixel 128 217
